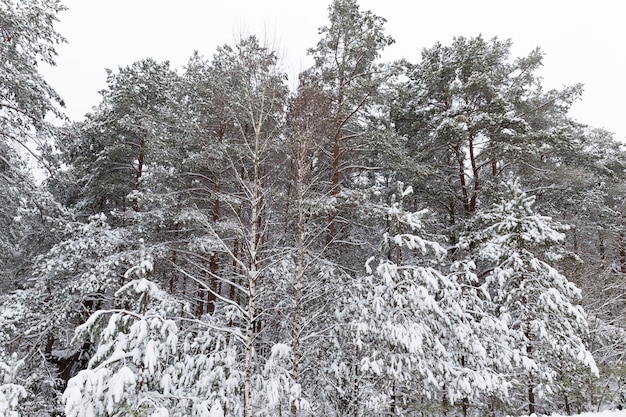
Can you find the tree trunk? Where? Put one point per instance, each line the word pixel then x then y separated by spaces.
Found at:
pixel 474 165
pixel 622 248
pixel 249 348
pixel 139 172
pixel 174 259
pixel 464 192
pixel 531 382
pixel 335 185
pixel 214 262
pixel 297 320
pixel 356 382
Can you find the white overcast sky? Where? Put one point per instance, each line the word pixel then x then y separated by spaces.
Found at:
pixel 583 40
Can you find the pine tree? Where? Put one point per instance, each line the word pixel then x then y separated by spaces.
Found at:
pixel 346 69
pixel 29 39
pixel 470 115
pixel 423 334
pixel 151 359
pixel 124 139
pixel 539 305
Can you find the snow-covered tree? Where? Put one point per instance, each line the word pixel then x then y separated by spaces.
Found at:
pixel 72 279
pixel 346 69
pixel 421 333
pixel 541 308
pixel 400 319
pixel 479 367
pixel 133 348
pixel 469 113
pixel 251 91
pixel 10 391
pixel 29 39
pixel 153 358
pixel 124 139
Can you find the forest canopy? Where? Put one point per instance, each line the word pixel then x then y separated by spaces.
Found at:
pixel 427 238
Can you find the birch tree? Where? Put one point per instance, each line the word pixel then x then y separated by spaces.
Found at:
pixel 255 110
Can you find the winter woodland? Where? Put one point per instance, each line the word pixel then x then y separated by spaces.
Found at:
pixel 436 238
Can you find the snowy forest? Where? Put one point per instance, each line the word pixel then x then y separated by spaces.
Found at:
pixel 432 238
